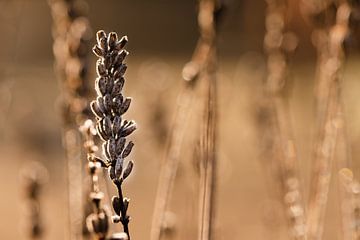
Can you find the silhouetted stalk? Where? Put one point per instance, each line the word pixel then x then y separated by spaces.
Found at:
pixel 278 43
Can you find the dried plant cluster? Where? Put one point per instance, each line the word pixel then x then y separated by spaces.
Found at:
pixel 109 108
pixel 72 33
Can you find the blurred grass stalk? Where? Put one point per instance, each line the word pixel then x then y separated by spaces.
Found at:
pixel 278 44
pixel 202 69
pixel 330 123
pixel 71 33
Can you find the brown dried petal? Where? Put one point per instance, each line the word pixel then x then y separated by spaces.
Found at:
pixel 103 43
pixel 96 110
pixel 127 150
pixel 112 39
pixel 116 204
pixel 125 106
pixel 128 129
pixel 128 169
pixel 100 35
pixel 121 44
pixel 120 57
pixel 98 51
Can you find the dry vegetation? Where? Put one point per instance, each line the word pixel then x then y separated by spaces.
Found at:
pixel 243 156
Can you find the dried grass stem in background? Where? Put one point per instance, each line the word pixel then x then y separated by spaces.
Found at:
pixel 278 44
pixel 329 43
pixel 71 33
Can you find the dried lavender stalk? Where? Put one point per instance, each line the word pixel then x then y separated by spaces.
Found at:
pixel 97 222
pixel 330 54
pixel 108 108
pixel 277 44
pixel 33 176
pixel 71 33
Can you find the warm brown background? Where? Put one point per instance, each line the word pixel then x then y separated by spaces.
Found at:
pixel 162 36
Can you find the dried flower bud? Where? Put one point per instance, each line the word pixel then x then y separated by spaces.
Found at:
pixel 119 167
pixel 116 124
pixel 96 110
pixel 125 106
pixel 100 35
pixel 120 143
pixel 118 85
pixel 108 103
pixel 101 85
pixel 111 148
pixel 106 125
pixel 120 57
pixel 116 204
pixel 98 51
pixel 101 105
pixel 126 203
pixel 100 68
pixel 128 169
pixel 106 152
pixel 112 39
pixel 117 102
pixel 128 129
pixel 101 132
pixel 127 150
pixel 121 44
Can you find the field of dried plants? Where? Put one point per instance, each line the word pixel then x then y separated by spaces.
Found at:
pixel 243 121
